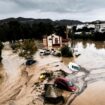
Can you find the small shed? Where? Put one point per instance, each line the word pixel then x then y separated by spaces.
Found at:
pixel 52 40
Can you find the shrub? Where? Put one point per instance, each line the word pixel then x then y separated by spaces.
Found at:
pixel 28 48
pixel 66 51
pixel 15 46
pixel 58 54
pixel 25 48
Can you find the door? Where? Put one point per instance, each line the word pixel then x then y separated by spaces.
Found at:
pixel 56 40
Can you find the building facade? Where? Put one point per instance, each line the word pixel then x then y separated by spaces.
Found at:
pixel 52 40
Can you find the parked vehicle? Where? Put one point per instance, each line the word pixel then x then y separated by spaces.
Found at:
pixel 65 84
pixel 47 52
pixel 30 62
pixel 57 53
pixel 73 66
pixel 41 53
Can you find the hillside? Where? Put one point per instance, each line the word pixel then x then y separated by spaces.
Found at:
pixel 32 20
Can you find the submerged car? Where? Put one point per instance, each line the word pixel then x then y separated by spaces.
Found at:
pixel 30 62
pixel 73 66
pixel 65 84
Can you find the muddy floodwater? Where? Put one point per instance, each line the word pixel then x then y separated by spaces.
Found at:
pixel 93 59
pixel 17 80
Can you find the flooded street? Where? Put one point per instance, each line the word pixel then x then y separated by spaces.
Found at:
pixel 17 86
pixel 93 60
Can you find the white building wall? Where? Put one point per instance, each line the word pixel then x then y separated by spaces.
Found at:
pixel 54 37
pixel 49 41
pixel 78 33
pixel 91 26
pixel 69 27
pixel 81 26
pixel 102 25
pixel 45 42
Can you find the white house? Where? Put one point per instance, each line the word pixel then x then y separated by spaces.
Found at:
pixel 78 33
pixel 80 26
pixel 91 26
pixel 85 25
pixel 52 40
pixel 102 27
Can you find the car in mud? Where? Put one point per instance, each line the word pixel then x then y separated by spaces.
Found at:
pixel 57 54
pixel 73 66
pixel 30 62
pixel 65 84
pixel 45 52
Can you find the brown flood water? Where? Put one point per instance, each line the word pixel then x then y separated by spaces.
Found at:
pixel 93 95
pixel 93 59
pixel 17 86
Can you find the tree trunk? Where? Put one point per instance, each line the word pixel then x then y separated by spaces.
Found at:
pixel 0 56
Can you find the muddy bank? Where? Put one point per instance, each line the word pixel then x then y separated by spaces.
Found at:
pixel 2 74
pixel 19 86
pixel 93 95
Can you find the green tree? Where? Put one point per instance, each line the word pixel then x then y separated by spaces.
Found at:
pixel 14 29
pixel 28 48
pixel 61 30
pixel 1 47
pixel 66 51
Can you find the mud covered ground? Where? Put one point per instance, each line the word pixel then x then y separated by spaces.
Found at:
pixel 19 85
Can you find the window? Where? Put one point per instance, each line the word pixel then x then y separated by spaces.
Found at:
pixel 50 38
pixel 75 67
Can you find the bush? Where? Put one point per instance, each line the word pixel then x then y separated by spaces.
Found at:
pixel 66 51
pixel 28 48
pixel 25 48
pixel 15 46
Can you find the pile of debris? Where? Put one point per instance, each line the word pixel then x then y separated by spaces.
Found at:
pixel 53 84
